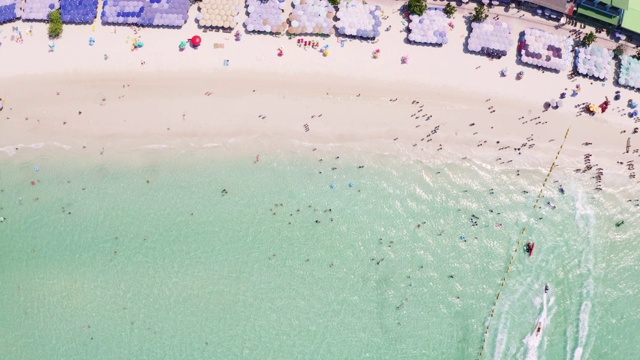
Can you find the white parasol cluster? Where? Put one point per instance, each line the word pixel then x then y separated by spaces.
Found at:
pixel 39 9
pixel 311 17
pixel 170 13
pixel 358 19
pixel 220 13
pixel 629 72
pixel 430 28
pixel 490 35
pixel 594 61
pixel 546 50
pixel 266 15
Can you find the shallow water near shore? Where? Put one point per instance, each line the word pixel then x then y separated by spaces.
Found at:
pixel 188 257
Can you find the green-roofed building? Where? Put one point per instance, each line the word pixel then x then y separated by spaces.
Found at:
pixel 631 16
pixel 601 13
pixel 610 14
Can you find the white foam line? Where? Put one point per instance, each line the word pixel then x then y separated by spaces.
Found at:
pixel 211 145
pixel 13 149
pixel 9 150
pixel 66 147
pixel 155 146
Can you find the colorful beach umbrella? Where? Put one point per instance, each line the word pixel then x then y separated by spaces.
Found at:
pixel 196 40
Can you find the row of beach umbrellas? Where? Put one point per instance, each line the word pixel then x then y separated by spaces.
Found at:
pixel 594 61
pixel 171 13
pixel 39 9
pixel 430 28
pixel 359 19
pixel 629 72
pixel 9 10
pixel 220 13
pixel 490 34
pixel 311 17
pixel 546 50
pixel 266 16
pixel 79 11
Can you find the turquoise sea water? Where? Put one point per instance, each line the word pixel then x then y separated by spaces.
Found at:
pixel 187 256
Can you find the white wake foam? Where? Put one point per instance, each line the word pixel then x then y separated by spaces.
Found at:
pixel 585 218
pixel 533 340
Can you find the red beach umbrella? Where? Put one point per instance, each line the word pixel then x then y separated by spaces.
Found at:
pixel 196 40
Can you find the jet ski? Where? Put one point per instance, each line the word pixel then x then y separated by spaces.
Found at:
pixel 551 205
pixel 530 248
pixel 546 288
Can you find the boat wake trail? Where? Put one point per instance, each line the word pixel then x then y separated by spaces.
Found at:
pixel 533 340
pixel 585 219
pixel 583 329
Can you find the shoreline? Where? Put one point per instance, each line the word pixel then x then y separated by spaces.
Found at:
pixel 138 116
pixel 190 101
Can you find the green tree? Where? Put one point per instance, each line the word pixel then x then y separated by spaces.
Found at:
pixel 334 2
pixel 417 7
pixel 55 24
pixel 588 39
pixel 449 10
pixel 480 13
pixel 619 50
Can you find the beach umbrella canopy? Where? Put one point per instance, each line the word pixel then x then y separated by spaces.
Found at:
pixel 196 40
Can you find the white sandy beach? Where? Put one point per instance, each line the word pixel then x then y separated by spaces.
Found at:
pixel 74 99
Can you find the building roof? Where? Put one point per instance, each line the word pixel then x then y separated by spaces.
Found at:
pixel 561 6
pixel 631 18
pixel 609 20
pixel 622 4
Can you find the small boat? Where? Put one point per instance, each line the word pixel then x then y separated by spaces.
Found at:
pixel 546 288
pixel 530 248
pixel 561 189
pixel 551 205
pixel 619 223
pixel 538 329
